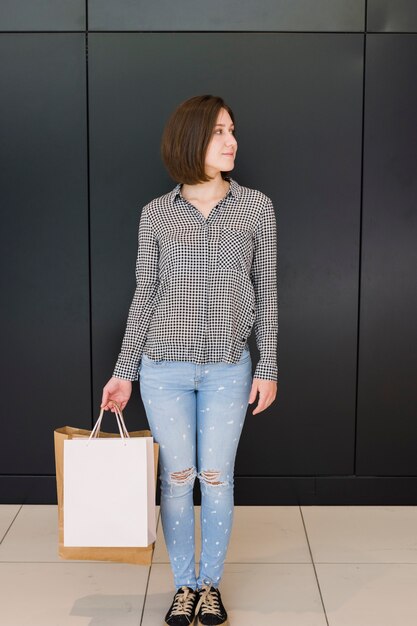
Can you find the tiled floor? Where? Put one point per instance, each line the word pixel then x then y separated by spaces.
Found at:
pixel 286 566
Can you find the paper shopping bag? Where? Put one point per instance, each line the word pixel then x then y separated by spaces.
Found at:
pixel 106 494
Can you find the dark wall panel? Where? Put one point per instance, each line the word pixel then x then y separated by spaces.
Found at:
pixel 217 15
pixel 307 158
pixel 42 15
pixel 392 15
pixel 387 413
pixel 44 243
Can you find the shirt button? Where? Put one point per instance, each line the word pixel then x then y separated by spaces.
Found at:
pixel 253 310
pixel 244 339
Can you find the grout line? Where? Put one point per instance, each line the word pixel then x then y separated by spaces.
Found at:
pixel 310 562
pixel 109 563
pixel 314 567
pixel 11 524
pixel 70 561
pixel 64 561
pixel 145 595
pixel 357 563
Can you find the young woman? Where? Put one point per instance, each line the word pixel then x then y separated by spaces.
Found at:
pixel 206 274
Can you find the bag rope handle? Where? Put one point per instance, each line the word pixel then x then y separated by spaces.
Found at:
pixel 124 434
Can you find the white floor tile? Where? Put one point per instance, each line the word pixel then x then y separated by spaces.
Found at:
pixel 159 595
pixel 253 594
pixel 362 534
pixel 7 514
pixel 268 534
pixel 71 594
pixel 369 595
pixel 260 534
pixel 33 535
pixel 272 594
pixel 366 563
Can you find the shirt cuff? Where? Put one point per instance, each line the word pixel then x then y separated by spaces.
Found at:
pixel 266 371
pixel 126 372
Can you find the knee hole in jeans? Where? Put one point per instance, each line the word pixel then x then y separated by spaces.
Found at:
pixel 209 477
pixel 183 477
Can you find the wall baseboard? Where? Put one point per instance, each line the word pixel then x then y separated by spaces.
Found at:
pixel 255 490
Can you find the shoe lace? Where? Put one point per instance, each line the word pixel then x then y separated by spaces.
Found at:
pixel 183 602
pixel 209 601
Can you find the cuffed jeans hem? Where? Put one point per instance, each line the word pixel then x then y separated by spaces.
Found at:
pixel 209 584
pixel 186 584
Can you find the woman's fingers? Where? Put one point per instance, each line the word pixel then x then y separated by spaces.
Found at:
pixel 104 399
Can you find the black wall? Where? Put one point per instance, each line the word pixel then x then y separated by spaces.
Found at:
pixel 324 96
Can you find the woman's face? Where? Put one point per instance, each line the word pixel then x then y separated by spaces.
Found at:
pixel 221 151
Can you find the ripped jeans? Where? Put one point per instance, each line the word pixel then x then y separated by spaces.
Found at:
pixel 196 414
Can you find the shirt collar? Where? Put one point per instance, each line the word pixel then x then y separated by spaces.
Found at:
pixel 235 189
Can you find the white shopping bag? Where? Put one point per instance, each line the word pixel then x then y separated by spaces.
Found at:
pixel 109 490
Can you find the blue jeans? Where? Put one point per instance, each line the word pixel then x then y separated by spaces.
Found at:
pixel 196 414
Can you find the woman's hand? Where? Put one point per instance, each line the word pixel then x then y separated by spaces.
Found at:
pixel 267 393
pixel 116 390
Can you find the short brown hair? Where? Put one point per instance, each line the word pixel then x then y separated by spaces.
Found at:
pixel 187 135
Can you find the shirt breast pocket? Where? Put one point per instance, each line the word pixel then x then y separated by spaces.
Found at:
pixel 235 249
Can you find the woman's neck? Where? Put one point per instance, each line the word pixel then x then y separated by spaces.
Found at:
pixel 207 191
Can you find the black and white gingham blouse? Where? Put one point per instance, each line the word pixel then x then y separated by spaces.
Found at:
pixel 203 283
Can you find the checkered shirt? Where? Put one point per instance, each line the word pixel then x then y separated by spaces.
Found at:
pixel 202 284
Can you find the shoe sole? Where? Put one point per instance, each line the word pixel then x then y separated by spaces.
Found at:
pixel 226 623
pixel 191 623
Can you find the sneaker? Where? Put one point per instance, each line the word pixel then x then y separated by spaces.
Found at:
pixel 210 609
pixel 183 607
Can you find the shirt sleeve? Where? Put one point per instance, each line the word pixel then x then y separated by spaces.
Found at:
pixel 141 308
pixel 264 280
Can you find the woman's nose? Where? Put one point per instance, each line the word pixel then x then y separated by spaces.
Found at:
pixel 231 141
